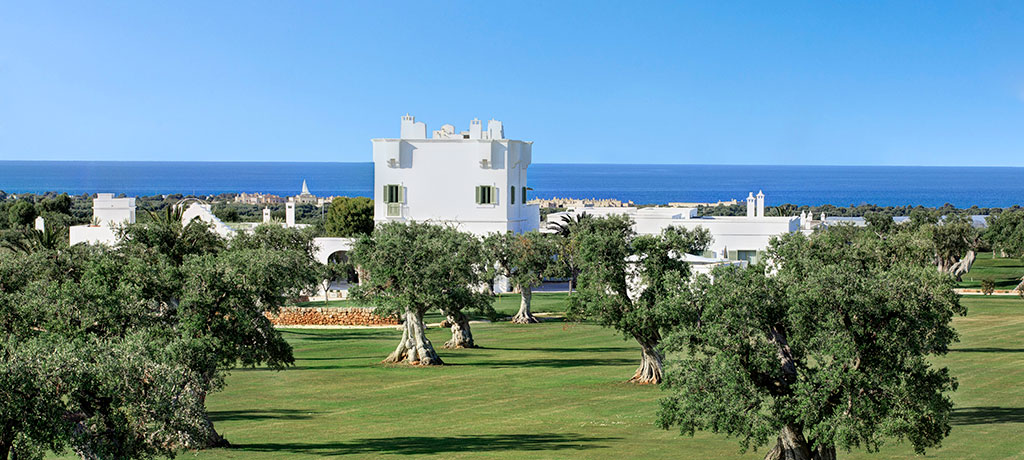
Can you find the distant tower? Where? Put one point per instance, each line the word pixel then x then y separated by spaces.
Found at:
pixel 266 215
pixel 495 129
pixel 750 204
pixel 475 129
pixel 289 214
pixel 760 203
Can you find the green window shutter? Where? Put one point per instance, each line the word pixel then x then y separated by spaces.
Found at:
pixel 708 254
pixel 512 194
pixel 494 195
pixel 733 255
pixel 386 198
pixel 401 193
pixel 479 194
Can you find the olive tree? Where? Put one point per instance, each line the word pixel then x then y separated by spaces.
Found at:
pixel 84 363
pixel 523 259
pixel 825 346
pixel 413 268
pixel 215 293
pixel 638 285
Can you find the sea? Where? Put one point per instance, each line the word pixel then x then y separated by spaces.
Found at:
pixel 642 184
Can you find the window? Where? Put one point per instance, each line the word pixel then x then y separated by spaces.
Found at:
pixel 512 195
pixel 485 194
pixel 394 196
pixel 749 256
pixel 524 195
pixel 393 193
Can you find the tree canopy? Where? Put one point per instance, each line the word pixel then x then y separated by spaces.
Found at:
pixel 350 216
pixel 523 259
pixel 824 346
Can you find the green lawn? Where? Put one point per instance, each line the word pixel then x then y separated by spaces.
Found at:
pixel 1004 272
pixel 552 390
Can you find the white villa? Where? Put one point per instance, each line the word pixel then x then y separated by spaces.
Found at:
pixel 107 213
pixel 734 237
pixel 475 180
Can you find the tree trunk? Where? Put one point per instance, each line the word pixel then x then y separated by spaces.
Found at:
pixel 462 337
pixel 214 439
pixel 524 316
pixel 791 445
pixel 5 450
pixel 649 371
pixel 415 348
pixel 961 267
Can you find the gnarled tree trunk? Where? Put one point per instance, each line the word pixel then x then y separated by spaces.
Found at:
pixel 649 371
pixel 791 445
pixel 962 266
pixel 214 439
pixel 524 316
pixel 414 348
pixel 462 337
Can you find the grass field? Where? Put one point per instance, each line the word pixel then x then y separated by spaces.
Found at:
pixel 1004 272
pixel 549 391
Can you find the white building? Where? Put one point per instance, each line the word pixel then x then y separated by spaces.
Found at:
pixel 733 237
pixel 475 180
pixel 107 213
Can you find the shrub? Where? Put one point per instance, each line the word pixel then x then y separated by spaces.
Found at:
pixel 988 287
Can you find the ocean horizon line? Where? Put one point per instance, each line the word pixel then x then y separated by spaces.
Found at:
pixel 764 165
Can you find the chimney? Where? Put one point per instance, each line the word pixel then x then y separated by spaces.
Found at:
pixel 760 203
pixel 266 215
pixel 750 204
pixel 289 214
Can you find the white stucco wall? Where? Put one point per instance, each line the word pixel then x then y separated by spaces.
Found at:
pixel 740 233
pixel 439 177
pixel 103 234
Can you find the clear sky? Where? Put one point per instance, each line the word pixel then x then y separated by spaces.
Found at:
pixel 893 83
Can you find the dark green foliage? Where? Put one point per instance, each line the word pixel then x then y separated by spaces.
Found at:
pixel 350 216
pixel 226 213
pixel 1005 233
pixel 831 343
pixel 419 267
pixel 21 214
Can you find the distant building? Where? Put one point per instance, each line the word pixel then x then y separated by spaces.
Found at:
pixel 734 237
pixel 107 213
pixel 577 202
pixel 258 198
pixel 475 179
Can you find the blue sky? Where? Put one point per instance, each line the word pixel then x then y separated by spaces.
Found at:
pixel 893 83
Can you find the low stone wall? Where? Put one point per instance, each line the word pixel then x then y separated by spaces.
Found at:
pixel 330 316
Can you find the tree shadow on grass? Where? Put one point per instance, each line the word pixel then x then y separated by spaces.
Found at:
pixel 424 445
pixel 987 350
pixel 275 414
pixel 568 350
pixel 556 363
pixel 985 415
